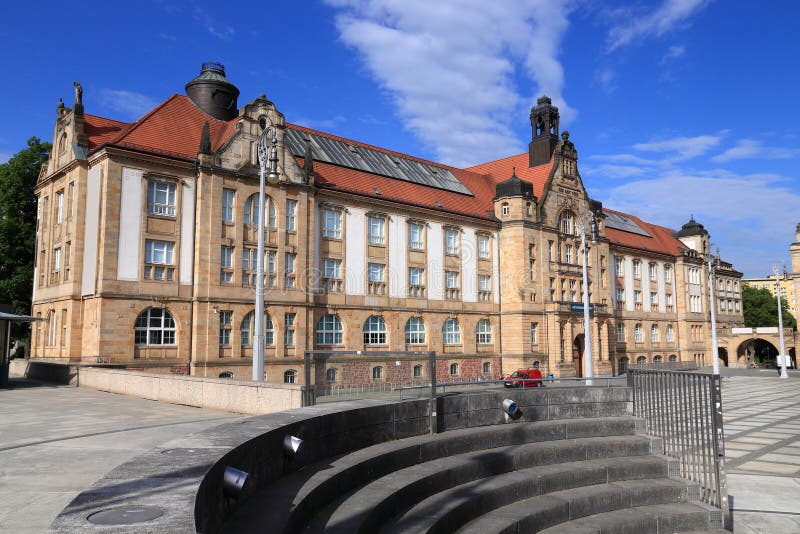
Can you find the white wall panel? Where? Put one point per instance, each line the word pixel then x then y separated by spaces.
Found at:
pixel 90 229
pixel 130 225
pixel 355 251
pixel 495 268
pixel 398 257
pixel 435 266
pixel 628 283
pixel 187 233
pixel 469 265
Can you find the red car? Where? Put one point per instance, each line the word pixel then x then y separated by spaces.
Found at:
pixel 524 378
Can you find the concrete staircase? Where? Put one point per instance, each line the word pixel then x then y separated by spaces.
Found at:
pixel 598 475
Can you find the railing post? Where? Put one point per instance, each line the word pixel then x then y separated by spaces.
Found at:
pixel 719 449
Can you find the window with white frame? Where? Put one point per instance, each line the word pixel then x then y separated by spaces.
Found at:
pixel 57 259
pixel 619 294
pixel 668 301
pixel 654 333
pixel 483 332
pixel 638 335
pixel 637 269
pixel 161 198
pixel 375 230
pixel 374 331
pixel 415 331
pixel 228 196
pixel 694 275
pixel 271 268
pixel 225 324
pixel 415 241
pixel 451 242
pixel 567 223
pixel 329 330
pixel 484 286
pixel 504 209
pixel 248 266
pixel 60 207
pixel 272 216
pixel 331 223
pixel 568 254
pixel 226 265
pixel 291 215
pixel 158 260
pixel 290 376
pixel 667 274
pixel 619 266
pixel 637 298
pixel 653 272
pixel 375 272
pixel 653 300
pixel 620 333
pixel 483 247
pixel 670 334
pixel 331 268
pixel 416 276
pixel 451 332
pixel 251 210
pixel 451 279
pixel 290 272
pixel 154 326
pixel 288 332
pixel 246 330
pixel 534 333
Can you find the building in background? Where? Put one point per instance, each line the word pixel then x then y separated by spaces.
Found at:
pixel 789 282
pixel 146 253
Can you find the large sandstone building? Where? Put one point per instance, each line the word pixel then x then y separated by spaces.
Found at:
pixel 147 253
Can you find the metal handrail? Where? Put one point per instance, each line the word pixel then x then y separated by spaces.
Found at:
pixel 685 410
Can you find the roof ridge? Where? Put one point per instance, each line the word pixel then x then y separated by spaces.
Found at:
pixel 137 123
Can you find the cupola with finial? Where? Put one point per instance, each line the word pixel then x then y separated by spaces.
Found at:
pixel 213 94
pixel 514 198
pixel 694 235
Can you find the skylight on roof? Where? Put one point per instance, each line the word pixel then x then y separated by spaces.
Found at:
pixel 374 161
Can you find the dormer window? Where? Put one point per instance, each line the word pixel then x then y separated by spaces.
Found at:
pixel 505 209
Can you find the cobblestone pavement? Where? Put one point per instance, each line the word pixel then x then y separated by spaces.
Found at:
pixel 762 452
pixel 57 440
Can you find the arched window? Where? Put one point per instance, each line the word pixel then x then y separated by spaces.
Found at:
pixel 154 326
pixel 417 371
pixel 484 332
pixel 673 358
pixel 415 331
pixel 226 374
pixel 641 360
pixel 487 368
pixel 251 211
pixel 505 209
pixel 329 330
pixel 289 376
pixel 62 143
pixel 330 375
pixel 623 365
pixel 453 369
pixel 374 331
pixel 657 359
pixel 451 332
pixel 377 372
pixel 567 223
pixel 247 330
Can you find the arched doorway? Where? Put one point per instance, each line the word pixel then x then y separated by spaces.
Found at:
pixel 623 365
pixel 793 357
pixel 757 351
pixel 723 355
pixel 577 354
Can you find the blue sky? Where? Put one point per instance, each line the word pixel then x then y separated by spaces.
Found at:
pixel 677 107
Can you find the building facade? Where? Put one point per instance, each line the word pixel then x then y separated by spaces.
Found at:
pixel 146 253
pixel 789 282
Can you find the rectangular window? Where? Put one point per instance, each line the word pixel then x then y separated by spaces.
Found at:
pixel 670 335
pixel 654 300
pixel 70 196
pixel 375 272
pixel 534 333
pixel 248 266
pixel 415 276
pixel 619 266
pixel 620 333
pixel 638 335
pixel 225 322
pixel 331 223
pixel 483 247
pixel 451 242
pixel 668 274
pixel 227 205
pixel 226 265
pixel 291 215
pixel 415 236
pixel 637 269
pixel 161 198
pixel 451 280
pixel 568 254
pixel 653 272
pixel 654 334
pixel 484 282
pixel 158 256
pixel 271 268
pixel 60 207
pixel 288 321
pixel 290 273
pixel 330 268
pixel 57 259
pixel 375 230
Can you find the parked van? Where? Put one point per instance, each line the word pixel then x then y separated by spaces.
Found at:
pixel 524 378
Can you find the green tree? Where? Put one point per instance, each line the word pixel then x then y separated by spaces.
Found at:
pixel 760 308
pixel 18 226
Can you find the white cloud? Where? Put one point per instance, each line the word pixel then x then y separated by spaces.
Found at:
pixel 167 37
pixel 673 52
pixel 213 26
pixel 666 17
pixel 606 79
pixel 4 157
pixel 131 104
pixel 751 148
pixel 321 124
pixel 451 80
pixel 682 147
pixel 751 230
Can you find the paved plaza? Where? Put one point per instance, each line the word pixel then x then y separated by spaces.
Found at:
pixel 57 440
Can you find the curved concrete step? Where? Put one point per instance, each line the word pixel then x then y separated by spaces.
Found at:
pixel 287 504
pixel 644 506
pixel 448 510
pixel 369 507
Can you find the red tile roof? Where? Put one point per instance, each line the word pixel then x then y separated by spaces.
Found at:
pixel 174 127
pixel 662 239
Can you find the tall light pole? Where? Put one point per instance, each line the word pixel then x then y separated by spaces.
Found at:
pixel 587 217
pixel 263 160
pixel 779 268
pixel 712 260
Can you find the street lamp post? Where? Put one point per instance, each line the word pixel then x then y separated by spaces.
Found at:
pixel 587 217
pixel 779 268
pixel 264 157
pixel 711 259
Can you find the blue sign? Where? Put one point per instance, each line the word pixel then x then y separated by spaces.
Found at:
pixel 577 307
